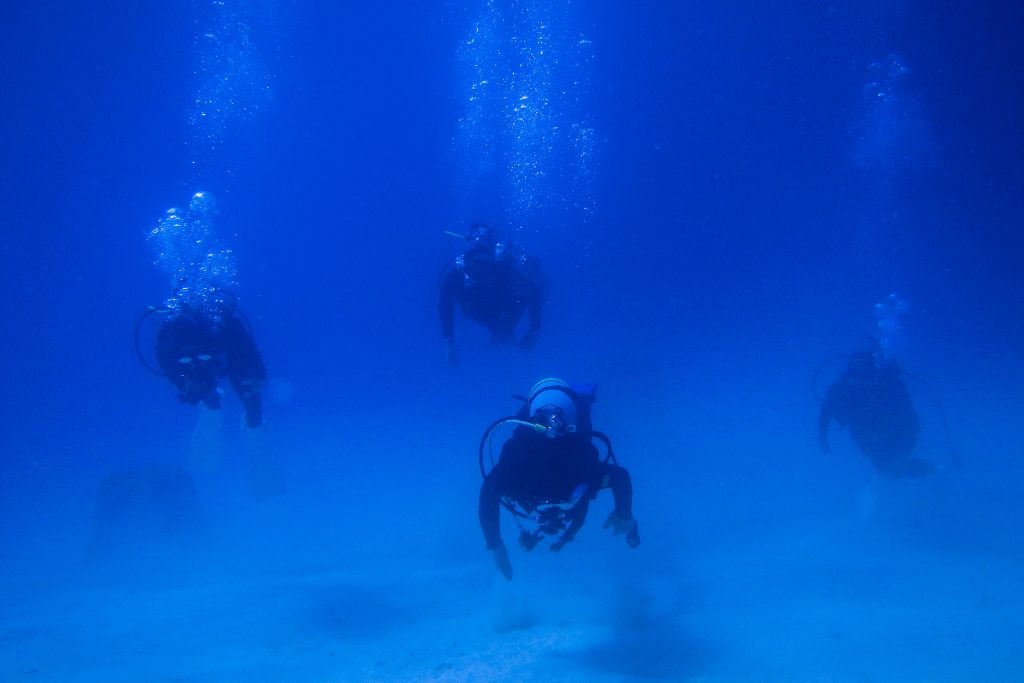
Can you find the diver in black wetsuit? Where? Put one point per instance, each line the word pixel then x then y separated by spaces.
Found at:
pixel 194 350
pixel 493 283
pixel 872 402
pixel 549 471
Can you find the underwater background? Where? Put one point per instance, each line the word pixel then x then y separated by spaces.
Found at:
pixel 719 195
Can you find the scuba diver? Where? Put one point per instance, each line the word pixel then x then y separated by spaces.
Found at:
pixel 872 402
pixel 549 471
pixel 494 283
pixel 197 346
pixel 203 337
pixel 195 349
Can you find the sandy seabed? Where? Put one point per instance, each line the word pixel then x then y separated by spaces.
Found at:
pixel 810 604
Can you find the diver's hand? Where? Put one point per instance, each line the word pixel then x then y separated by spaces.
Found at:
pixel 627 526
pixel 502 562
pixel 529 340
pixel 451 352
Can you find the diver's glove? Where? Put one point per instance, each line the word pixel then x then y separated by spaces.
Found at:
pixel 528 540
pixel 529 340
pixel 633 537
pixel 501 560
pixel 627 526
pixel 451 352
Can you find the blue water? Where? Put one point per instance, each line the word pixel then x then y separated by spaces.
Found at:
pixel 719 194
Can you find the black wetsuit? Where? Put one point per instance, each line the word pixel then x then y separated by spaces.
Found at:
pixel 881 419
pixel 492 289
pixel 194 351
pixel 535 469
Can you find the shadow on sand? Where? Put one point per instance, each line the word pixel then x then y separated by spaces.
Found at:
pixel 653 649
pixel 358 612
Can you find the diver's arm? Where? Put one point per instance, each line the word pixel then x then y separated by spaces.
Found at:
pixel 246 369
pixel 490 517
pixel 244 359
pixel 252 401
pixel 621 520
pixel 499 482
pixel 618 480
pixel 489 511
